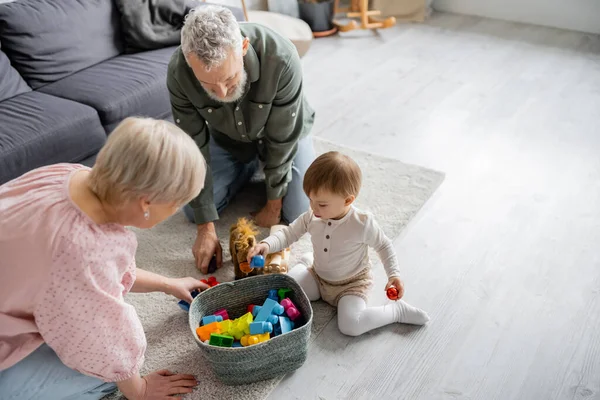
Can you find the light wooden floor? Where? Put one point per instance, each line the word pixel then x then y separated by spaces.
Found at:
pixel 505 257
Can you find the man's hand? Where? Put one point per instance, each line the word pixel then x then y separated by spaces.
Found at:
pixel 207 244
pixel 269 215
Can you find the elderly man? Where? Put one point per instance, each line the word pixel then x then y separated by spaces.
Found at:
pixel 237 90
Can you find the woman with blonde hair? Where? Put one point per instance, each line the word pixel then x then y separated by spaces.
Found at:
pixel 67 260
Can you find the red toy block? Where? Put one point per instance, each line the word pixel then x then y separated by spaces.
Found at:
pixel 392 293
pixel 250 308
pixel 212 281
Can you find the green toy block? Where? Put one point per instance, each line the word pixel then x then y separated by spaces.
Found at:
pixel 220 340
pixel 283 293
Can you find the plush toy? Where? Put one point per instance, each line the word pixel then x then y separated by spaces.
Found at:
pixel 242 237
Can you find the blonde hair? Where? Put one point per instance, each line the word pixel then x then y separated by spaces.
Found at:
pixel 151 158
pixel 335 172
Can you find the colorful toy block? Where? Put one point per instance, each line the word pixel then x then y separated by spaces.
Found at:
pixel 255 310
pixel 205 331
pixel 285 325
pixel 184 305
pixel 258 261
pixel 269 307
pixel 209 319
pixel 290 309
pixel 250 308
pixel 283 293
pixel 212 281
pixel 249 340
pixel 212 265
pixel 256 328
pixel 237 344
pixel 226 327
pixel 392 293
pixel 241 326
pixel 220 340
pixel 273 295
pixel 223 313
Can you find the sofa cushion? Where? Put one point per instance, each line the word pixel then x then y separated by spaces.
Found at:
pixel 47 40
pixel 38 129
pixel 132 84
pixel 11 83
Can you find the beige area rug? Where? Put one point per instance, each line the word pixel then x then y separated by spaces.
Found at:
pixel 392 190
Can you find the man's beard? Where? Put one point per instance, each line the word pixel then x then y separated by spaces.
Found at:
pixel 233 95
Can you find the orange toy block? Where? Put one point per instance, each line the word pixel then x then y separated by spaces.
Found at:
pixel 205 331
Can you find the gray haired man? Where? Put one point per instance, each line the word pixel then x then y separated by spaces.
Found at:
pixel 237 90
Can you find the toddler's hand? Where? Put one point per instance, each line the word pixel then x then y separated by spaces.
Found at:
pixel 182 288
pixel 261 248
pixel 397 283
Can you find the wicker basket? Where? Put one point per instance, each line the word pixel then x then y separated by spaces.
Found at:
pixel 275 357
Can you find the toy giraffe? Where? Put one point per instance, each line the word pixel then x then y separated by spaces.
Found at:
pixel 360 9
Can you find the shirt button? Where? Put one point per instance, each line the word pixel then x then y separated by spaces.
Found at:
pixel 210 110
pixel 260 142
pixel 327 237
pixel 293 114
pixel 325 250
pixel 239 123
pixel 243 135
pixel 178 121
pixel 237 109
pixel 329 223
pixel 260 106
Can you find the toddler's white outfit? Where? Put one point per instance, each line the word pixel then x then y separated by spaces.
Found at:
pixel 341 271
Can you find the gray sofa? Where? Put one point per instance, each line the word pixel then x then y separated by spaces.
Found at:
pixel 66 81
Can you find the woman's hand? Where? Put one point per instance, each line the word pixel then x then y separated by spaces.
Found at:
pixel 182 287
pixel 261 248
pixel 159 385
pixel 397 283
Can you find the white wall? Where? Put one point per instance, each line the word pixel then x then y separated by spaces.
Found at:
pixel 250 4
pixel 578 15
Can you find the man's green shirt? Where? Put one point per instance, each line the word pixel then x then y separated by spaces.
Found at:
pixel 268 120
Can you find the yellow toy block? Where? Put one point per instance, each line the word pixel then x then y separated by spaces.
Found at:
pixel 205 331
pixel 249 340
pixel 226 326
pixel 241 326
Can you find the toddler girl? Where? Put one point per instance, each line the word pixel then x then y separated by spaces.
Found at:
pixel 340 270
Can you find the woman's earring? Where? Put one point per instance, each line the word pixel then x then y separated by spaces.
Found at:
pixel 147 215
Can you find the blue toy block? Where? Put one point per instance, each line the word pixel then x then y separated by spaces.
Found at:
pixel 237 344
pixel 273 319
pixel 276 330
pixel 257 261
pixel 184 305
pixel 255 310
pixel 212 265
pixel 269 307
pixel 257 328
pixel 285 325
pixel 273 295
pixel 209 319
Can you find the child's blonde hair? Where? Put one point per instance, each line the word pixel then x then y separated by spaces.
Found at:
pixel 148 157
pixel 334 172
